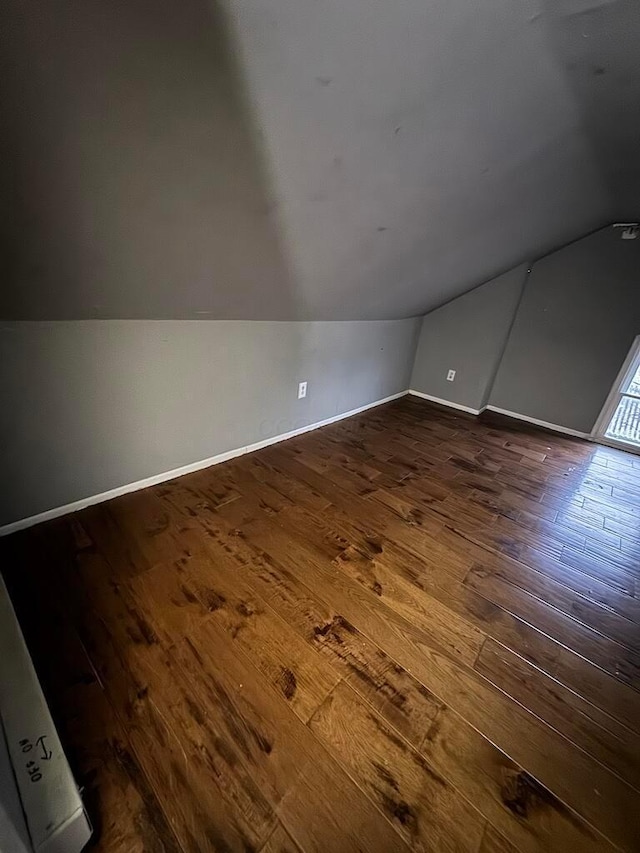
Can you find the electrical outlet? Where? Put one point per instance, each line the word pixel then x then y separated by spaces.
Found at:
pixel 451 375
pixel 302 390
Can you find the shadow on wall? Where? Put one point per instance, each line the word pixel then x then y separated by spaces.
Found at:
pixel 579 315
pixel 595 43
pixel 89 406
pixel 132 174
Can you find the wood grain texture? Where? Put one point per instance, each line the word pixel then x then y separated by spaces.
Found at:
pixel 411 630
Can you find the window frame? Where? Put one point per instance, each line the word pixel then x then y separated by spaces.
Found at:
pixel 624 377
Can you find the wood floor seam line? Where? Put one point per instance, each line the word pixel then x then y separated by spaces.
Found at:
pixel 413 629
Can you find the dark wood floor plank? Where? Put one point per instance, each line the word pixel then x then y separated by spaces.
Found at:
pixel 366 530
pixel 618 660
pixel 409 708
pixel 372 520
pixel 423 806
pixel 622 511
pixel 412 629
pixel 283 753
pixel 556 659
pixel 280 842
pixel 386 686
pixel 434 623
pixel 125 812
pixel 200 586
pixel 189 750
pixel 519 735
pixel 586 586
pixel 437 588
pixel 595 732
pixel 525 813
pixel 511 505
pixel 625 559
pixel 193 758
pixel 493 842
pixel 582 607
pixel 592 565
pixel 321 813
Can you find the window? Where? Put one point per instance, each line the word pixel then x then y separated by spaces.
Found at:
pixel 620 418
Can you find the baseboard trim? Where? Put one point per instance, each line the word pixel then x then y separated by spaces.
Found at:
pixel 75 506
pixel 447 403
pixel 553 427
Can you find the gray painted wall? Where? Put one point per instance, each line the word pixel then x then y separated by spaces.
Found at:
pixel 132 178
pixel 467 335
pixel 313 159
pixel 91 405
pixel 577 320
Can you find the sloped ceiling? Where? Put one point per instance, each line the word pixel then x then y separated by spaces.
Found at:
pixel 316 159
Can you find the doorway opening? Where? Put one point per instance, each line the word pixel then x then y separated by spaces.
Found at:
pixel 619 421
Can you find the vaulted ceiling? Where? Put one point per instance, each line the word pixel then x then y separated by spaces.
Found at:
pixel 316 159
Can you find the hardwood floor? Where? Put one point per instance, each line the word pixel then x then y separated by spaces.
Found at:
pixel 409 630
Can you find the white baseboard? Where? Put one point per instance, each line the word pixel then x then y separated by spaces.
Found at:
pixel 448 403
pixel 56 512
pixel 536 422
pixel 515 415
